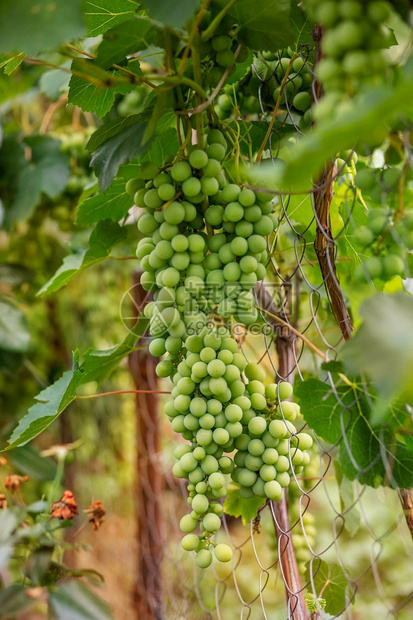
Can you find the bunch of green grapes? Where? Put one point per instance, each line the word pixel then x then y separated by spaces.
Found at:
pixel 354 37
pixel 388 235
pixel 203 251
pixel 270 446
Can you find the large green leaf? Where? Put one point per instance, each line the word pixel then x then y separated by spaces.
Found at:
pixel 105 236
pixel 174 14
pixel 383 348
pixel 373 456
pixel 14 332
pixel 120 149
pixel 124 39
pixel 238 506
pixel 75 601
pixel 264 24
pixel 100 15
pixel 27 460
pixel 113 205
pixel 30 27
pixel 93 89
pixel 331 584
pixel 51 402
pixel 14 600
pixel 46 171
pixel 96 366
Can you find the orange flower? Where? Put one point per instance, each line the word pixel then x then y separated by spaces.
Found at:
pixel 12 482
pixel 96 512
pixel 3 502
pixel 65 508
pixel 3 461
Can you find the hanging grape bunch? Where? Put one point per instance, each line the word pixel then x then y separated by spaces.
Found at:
pixel 203 251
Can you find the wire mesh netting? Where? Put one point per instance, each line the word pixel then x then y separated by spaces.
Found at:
pixel 332 539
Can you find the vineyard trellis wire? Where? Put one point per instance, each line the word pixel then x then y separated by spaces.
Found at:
pixel 358 528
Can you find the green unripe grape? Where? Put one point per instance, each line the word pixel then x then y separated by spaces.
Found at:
pixel 148 170
pixel 211 522
pixel 256 244
pixel 374 267
pixel 181 171
pixel 234 212
pixel 181 449
pixel 180 261
pixel 302 101
pixel 166 192
pixel 168 231
pixel 190 542
pixel 134 185
pixel 212 169
pixel 218 386
pixel 230 193
pixel 273 490
pixel 209 185
pixel 246 197
pixel 258 402
pixel 244 229
pixel 199 369
pixel 285 390
pixel 393 265
pixel 216 480
pixel 204 436
pixel 264 226
pixel 157 347
pixel 225 58
pixel 216 368
pixel 164 368
pixel 179 243
pixel 283 479
pixel 268 473
pixel 378 12
pixel 173 345
pixel 191 187
pixel 223 553
pixel 188 462
pixel 253 214
pixel 256 447
pixel 254 372
pixel 246 478
pixel 174 213
pixel 203 558
pixel 225 356
pixel 209 465
pixel 216 151
pixel 282 464
pixel 278 429
pixel 196 243
pixel 177 471
pixel 207 355
pixel 186 385
pixel 363 236
pixel 221 42
pixel 221 436
pixel 253 463
pixel 232 272
pixel 225 254
pixel 191 423
pixel 257 425
pixel 162 178
pixel 270 456
pixel 365 179
pixel 198 159
pixel 213 340
pixel 215 136
pixel 187 524
pixel 233 413
pixel 170 277
pixel 239 246
pixel 200 503
pixel 147 224
pixel 214 406
pixel 214 215
pixel 207 421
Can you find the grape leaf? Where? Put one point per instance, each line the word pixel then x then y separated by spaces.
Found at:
pixel 264 24
pixel 100 15
pixel 73 600
pixel 124 39
pixel 52 401
pixel 174 14
pixel 119 149
pixel 14 600
pixel 348 501
pixel 103 238
pixel 14 331
pixel 47 171
pixel 113 205
pixel 238 506
pixel 383 348
pixel 94 92
pixel 373 456
pixel 27 460
pixel 110 129
pixel 30 27
pixel 301 26
pixel 331 584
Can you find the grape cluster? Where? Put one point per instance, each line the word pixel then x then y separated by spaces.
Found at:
pixel 354 37
pixel 388 234
pixel 203 251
